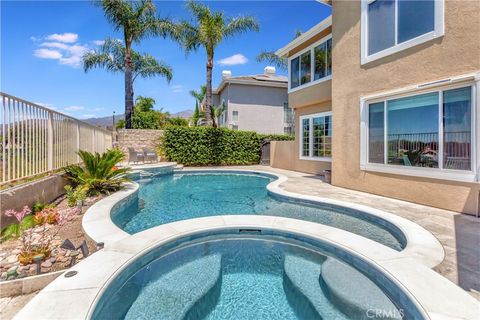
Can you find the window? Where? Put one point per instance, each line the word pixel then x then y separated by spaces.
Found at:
pixel 389 26
pixel 429 131
pixel 312 65
pixel 235 116
pixel 316 136
pixel 287 114
pixel 295 72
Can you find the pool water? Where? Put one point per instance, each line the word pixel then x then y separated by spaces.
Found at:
pixel 181 196
pixel 240 277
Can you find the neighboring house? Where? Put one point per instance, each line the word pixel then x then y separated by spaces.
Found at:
pixel 254 103
pixel 388 97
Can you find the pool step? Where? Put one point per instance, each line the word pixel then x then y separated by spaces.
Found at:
pixel 172 295
pixel 353 293
pixel 302 287
pixel 178 167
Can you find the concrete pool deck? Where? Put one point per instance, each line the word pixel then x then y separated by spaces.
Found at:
pixel 458 233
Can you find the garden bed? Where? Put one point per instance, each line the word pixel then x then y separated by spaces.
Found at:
pixel 59 258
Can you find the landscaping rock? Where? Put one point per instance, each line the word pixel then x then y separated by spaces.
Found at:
pixel 12 258
pixel 47 264
pixel 53 259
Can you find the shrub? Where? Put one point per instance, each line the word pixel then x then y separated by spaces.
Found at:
pixel 98 174
pixel 48 215
pixel 24 222
pixel 196 146
pixel 210 146
pixel 75 194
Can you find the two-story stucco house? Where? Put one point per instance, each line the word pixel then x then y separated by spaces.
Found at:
pixel 386 93
pixel 254 103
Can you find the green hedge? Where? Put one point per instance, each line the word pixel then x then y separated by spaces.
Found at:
pixel 197 146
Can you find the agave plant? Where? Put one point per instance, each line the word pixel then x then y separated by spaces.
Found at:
pixel 99 174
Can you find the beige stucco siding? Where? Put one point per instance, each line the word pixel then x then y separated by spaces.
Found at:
pixel 285 154
pixel 456 53
pixel 313 94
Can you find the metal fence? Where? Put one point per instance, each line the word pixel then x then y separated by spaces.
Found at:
pixel 37 140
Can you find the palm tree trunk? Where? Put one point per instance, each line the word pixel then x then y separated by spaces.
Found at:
pixel 128 87
pixel 208 97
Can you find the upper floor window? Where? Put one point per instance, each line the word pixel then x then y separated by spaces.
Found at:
pixel 389 26
pixel 420 133
pixel 311 65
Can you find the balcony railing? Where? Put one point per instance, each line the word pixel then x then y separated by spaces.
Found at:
pixel 37 140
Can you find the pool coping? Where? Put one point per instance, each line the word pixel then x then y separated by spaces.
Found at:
pixel 421 245
pixel 76 297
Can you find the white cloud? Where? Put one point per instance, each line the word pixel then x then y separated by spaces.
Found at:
pixel 86 116
pixel 64 37
pixel 57 45
pixel 233 60
pixel 47 54
pixel 67 54
pixel 178 88
pixel 98 42
pixel 74 108
pixel 46 105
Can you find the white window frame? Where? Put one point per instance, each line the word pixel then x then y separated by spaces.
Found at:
pixel 438 31
pixel 310 137
pixel 434 173
pixel 312 82
pixel 235 121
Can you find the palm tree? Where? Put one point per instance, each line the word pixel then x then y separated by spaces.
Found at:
pixel 111 56
pixel 208 31
pixel 271 58
pixel 200 94
pixel 136 20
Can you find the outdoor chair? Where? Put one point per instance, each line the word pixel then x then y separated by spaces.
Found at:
pixel 150 155
pixel 135 156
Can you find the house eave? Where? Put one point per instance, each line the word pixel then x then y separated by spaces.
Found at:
pixel 324 24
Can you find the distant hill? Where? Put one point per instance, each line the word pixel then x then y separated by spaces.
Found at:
pixel 107 121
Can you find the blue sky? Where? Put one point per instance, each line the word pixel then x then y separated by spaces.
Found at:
pixel 42 42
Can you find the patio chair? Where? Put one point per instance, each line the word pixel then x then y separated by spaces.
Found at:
pixel 135 156
pixel 150 155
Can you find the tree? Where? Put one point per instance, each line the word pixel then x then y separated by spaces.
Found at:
pixel 177 121
pixel 111 56
pixel 136 20
pixel 208 30
pixel 271 58
pixel 144 104
pixel 200 94
pixel 195 115
pixel 215 113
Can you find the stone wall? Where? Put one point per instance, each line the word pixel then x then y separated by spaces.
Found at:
pixel 138 139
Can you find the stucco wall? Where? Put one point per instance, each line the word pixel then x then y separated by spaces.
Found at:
pixel 285 154
pixel 43 190
pixel 138 139
pixel 317 93
pixel 456 53
pixel 259 108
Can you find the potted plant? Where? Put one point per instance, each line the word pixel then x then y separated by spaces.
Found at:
pixel 328 175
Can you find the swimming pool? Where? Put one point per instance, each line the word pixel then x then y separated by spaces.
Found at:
pixel 249 274
pixel 179 196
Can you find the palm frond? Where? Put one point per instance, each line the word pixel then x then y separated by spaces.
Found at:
pixel 241 24
pixel 273 59
pixel 147 66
